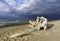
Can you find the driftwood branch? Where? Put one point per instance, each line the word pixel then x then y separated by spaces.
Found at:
pixel 24 33
pixel 37 28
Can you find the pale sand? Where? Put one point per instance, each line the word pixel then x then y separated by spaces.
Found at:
pixel 52 34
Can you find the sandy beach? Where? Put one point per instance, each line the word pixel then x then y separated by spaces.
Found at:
pixel 51 34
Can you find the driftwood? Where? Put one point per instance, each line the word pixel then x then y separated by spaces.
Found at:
pixel 42 23
pixel 24 33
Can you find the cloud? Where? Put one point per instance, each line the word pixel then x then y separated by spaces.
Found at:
pixel 20 5
pixel 33 6
pixel 11 3
pixel 25 5
pixel 4 7
pixel 50 0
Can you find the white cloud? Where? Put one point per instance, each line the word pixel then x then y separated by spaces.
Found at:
pixel 12 3
pixel 4 7
pixel 27 5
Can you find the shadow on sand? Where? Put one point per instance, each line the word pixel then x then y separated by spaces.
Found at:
pixel 49 26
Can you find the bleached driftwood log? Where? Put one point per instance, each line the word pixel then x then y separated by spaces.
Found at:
pixel 41 23
pixel 24 33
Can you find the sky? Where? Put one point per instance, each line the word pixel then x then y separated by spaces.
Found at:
pixel 24 9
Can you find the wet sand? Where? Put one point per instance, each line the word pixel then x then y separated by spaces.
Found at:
pixel 51 34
